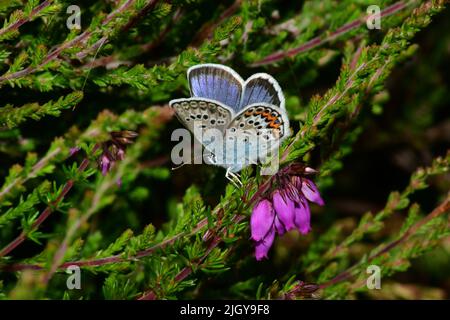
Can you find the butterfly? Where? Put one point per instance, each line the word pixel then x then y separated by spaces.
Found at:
pixel 238 122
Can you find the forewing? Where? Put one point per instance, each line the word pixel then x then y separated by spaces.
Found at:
pixel 216 82
pixel 262 88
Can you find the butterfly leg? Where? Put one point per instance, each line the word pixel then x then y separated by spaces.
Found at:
pixel 234 178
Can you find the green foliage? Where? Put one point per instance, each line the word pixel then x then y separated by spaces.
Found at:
pixel 145 231
pixel 12 117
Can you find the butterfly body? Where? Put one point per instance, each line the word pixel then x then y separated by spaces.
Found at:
pixel 238 122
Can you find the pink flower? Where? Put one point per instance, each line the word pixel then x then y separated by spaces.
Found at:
pixel 279 227
pixel 261 221
pixel 302 217
pixel 262 227
pixel 121 154
pixel 114 150
pixel 74 150
pixel 105 164
pixel 310 191
pixel 263 246
pixel 285 209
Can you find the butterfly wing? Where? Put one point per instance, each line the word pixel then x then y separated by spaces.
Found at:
pixel 218 93
pixel 205 118
pixel 262 88
pixel 216 82
pixel 204 112
pixel 261 128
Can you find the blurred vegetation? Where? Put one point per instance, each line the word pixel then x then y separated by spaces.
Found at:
pixel 369 109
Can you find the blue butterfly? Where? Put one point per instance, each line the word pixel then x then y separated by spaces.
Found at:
pixel 248 119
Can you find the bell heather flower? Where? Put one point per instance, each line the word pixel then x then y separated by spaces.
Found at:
pixel 262 227
pixel 309 190
pixel 114 149
pixel 303 217
pixel 105 163
pixel 262 220
pixel 284 209
pixel 74 150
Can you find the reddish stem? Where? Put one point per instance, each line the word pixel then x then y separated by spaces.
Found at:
pixel 206 30
pixel 347 274
pixel 147 8
pixel 46 213
pixel 16 25
pixel 112 259
pixel 55 53
pixel 186 271
pixel 317 41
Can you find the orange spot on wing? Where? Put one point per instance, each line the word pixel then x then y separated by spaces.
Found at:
pixel 274 125
pixel 266 115
pixel 272 120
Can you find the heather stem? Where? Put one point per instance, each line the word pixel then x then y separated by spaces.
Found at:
pixel 320 40
pixel 16 25
pixel 48 210
pixel 443 208
pixel 82 38
pixel 38 166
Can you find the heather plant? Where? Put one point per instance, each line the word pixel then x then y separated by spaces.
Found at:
pixel 90 207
